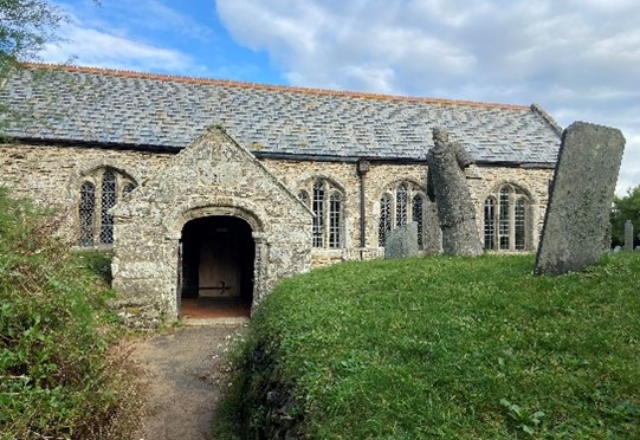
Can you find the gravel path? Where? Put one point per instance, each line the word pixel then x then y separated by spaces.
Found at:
pixel 185 371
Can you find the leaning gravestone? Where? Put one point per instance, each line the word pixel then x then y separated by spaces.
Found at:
pixel 447 186
pixel 628 235
pixel 402 242
pixel 578 213
pixel 616 249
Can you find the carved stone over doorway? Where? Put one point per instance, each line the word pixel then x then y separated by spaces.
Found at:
pixel 237 221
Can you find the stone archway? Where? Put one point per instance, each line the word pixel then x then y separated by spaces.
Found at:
pixel 213 177
pixel 217 267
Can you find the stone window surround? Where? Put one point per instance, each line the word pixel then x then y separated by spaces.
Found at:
pixel 94 176
pixel 516 192
pixel 391 191
pixel 305 192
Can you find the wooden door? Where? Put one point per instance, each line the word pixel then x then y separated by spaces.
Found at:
pixel 220 270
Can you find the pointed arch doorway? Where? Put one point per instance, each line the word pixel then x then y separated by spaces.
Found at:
pixel 217 268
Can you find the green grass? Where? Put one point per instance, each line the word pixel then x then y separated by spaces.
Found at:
pixel 444 348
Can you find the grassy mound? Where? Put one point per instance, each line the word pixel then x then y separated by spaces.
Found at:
pixel 443 348
pixel 59 377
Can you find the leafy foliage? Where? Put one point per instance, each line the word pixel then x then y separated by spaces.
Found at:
pixel 59 375
pixel 443 347
pixel 25 27
pixel 626 208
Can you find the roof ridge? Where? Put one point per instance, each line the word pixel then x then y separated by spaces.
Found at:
pixel 269 87
pixel 536 108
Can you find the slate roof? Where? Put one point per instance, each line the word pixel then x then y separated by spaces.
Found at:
pixel 87 105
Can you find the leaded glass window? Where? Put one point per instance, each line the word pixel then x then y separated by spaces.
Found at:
pixel 401 205
pixel 506 220
pixel 335 220
pixel 520 224
pixel 417 213
pixel 489 223
pixel 95 224
pixel 86 213
pixel 326 200
pixel 108 202
pixel 318 210
pixel 385 219
pixel 304 196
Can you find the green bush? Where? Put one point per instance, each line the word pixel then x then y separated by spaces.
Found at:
pixel 438 347
pixel 59 374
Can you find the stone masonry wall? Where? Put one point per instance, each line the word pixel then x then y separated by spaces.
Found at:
pixel 379 179
pixel 212 177
pixel 483 181
pixel 486 179
pixel 51 175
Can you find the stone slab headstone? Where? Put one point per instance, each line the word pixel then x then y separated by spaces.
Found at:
pixel 637 249
pixel 628 235
pixel 577 216
pixel 616 249
pixel 402 242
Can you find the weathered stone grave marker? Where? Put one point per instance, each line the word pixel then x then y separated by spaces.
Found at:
pixel 616 249
pixel 447 186
pixel 580 200
pixel 402 242
pixel 628 236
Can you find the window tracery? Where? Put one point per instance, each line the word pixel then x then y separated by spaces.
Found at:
pixel 506 219
pixel 327 203
pixel 99 192
pixel 395 210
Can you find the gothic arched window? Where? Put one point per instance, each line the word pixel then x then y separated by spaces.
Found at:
pixel 385 219
pixel 304 196
pixel 108 202
pixel 401 204
pixel 99 192
pixel 326 202
pixel 86 213
pixel 507 219
pixel 417 213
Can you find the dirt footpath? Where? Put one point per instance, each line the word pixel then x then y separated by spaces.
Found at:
pixel 185 371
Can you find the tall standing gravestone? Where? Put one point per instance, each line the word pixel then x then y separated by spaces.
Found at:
pixel 447 186
pixel 628 235
pixel 578 213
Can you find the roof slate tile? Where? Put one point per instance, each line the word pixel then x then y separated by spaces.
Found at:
pixel 63 103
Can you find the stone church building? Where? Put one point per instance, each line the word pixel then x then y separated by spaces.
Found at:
pixel 217 189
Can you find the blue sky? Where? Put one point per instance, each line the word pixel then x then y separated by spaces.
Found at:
pixel 578 59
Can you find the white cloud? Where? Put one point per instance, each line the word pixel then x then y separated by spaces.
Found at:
pixel 94 48
pixel 579 59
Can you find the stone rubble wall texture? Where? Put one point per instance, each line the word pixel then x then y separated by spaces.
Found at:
pixel 52 175
pixel 485 180
pixel 214 176
pixel 583 186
